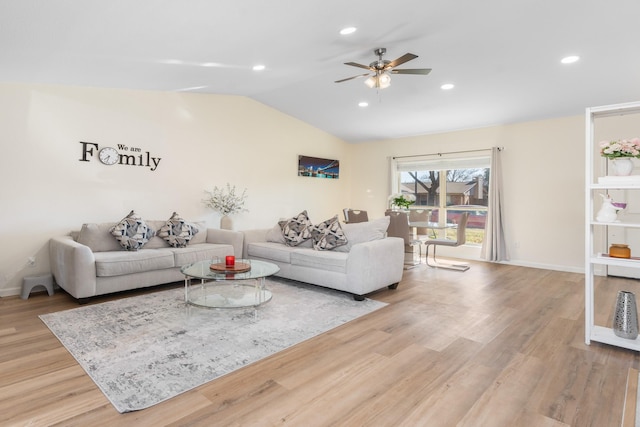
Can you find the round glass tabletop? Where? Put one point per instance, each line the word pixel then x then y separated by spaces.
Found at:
pixel 227 289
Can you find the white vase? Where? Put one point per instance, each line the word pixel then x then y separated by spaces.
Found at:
pixel 622 166
pixel 226 223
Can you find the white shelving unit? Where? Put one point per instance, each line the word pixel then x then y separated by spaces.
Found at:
pixel 597 257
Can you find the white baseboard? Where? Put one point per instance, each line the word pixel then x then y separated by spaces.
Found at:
pixel 554 267
pixel 9 292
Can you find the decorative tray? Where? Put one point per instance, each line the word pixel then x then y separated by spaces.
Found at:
pixel 238 267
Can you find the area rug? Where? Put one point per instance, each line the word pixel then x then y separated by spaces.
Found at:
pixel 143 350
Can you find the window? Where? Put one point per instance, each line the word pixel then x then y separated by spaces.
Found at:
pixel 448 187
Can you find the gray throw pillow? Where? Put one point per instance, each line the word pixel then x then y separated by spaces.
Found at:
pixel 275 235
pixel 177 232
pixel 297 229
pixel 132 232
pixel 98 237
pixel 328 235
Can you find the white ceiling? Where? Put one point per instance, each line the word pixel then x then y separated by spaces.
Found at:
pixel 502 55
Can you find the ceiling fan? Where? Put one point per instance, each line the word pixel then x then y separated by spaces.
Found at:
pixel 381 68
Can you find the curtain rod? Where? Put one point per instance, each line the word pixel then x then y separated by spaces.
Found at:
pixel 449 152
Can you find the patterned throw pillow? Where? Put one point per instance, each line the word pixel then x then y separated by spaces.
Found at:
pixel 297 229
pixel 328 235
pixel 177 232
pixel 132 232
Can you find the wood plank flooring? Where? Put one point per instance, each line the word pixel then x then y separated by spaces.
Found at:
pixel 497 345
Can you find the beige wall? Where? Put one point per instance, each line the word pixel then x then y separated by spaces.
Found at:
pixel 543 170
pixel 202 140
pixel 207 140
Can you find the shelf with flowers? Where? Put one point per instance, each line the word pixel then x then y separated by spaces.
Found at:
pixel 621 153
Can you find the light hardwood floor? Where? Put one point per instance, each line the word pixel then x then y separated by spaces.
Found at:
pixel 497 345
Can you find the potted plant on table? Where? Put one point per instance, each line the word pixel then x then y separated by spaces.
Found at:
pixel 227 202
pixel 401 201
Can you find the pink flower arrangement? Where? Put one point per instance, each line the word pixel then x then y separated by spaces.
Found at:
pixel 621 148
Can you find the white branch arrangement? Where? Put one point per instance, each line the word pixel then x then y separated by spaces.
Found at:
pixel 225 200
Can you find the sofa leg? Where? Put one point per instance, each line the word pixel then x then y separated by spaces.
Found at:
pixel 358 297
pixel 394 286
pixel 83 301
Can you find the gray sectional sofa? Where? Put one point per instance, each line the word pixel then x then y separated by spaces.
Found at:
pixel 369 261
pixel 91 262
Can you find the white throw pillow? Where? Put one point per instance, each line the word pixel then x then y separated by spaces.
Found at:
pixel 360 232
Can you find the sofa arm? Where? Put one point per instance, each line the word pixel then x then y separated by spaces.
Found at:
pixel 229 237
pixel 73 266
pixel 253 236
pixel 376 264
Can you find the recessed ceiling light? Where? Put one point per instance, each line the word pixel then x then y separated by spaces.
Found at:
pixel 570 59
pixel 447 86
pixel 363 104
pixel 348 30
pixel 258 67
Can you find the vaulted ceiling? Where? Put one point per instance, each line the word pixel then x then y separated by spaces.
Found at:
pixel 502 56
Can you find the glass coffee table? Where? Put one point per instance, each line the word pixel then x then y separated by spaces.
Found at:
pixel 227 289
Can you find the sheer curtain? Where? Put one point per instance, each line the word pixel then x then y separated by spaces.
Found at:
pixel 494 246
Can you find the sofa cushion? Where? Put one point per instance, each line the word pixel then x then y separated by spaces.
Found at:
pixel 156 241
pixel 361 232
pixel 98 237
pixel 132 232
pixel 297 229
pixel 193 253
pixel 201 235
pixel 269 250
pixel 177 232
pixel 328 235
pixel 118 263
pixel 322 260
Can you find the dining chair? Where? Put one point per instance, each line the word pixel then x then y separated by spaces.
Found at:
pixel 460 240
pixel 353 215
pixel 421 215
pixel 399 227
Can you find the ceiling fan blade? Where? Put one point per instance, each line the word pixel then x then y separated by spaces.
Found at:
pixel 404 58
pixel 351 78
pixel 355 64
pixel 423 71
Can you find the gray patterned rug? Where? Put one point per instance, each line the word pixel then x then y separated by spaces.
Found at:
pixel 146 349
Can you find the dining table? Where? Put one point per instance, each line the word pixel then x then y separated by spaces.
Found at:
pixel 432 225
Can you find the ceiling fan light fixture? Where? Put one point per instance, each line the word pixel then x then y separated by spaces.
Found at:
pixel 384 80
pixel 379 81
pixel 371 82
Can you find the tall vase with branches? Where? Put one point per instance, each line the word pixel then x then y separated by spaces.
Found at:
pixel 227 201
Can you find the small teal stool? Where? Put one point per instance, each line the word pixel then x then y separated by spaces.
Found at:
pixel 30 282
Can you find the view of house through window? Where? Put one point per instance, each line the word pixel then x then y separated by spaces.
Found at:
pixel 447 193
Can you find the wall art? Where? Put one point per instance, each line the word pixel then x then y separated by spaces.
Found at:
pixel 318 168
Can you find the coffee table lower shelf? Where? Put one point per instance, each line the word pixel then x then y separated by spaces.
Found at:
pixel 228 294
